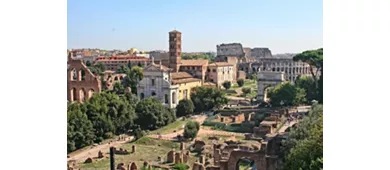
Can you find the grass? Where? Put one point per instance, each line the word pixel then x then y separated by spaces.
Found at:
pixel 147 149
pixel 170 128
pixel 247 84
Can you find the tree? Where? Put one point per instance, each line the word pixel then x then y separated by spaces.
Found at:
pixel 207 98
pixel 253 76
pixel 246 91
pixel 191 129
pixel 97 69
pixel 151 114
pixel 303 149
pixel 227 85
pixel 133 76
pixel 288 94
pixel 118 88
pixel 315 60
pixel 184 108
pixel 240 82
pixel 308 83
pixel 80 130
pixel 88 63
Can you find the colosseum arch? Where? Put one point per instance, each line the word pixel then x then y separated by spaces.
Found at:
pixel 267 79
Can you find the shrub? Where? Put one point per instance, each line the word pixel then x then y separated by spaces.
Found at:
pixel 240 82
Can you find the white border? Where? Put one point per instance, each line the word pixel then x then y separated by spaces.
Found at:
pixel 356 35
pixel 33 98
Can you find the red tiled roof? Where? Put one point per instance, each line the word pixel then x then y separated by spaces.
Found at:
pixel 180 75
pixel 194 62
pixel 184 80
pixel 123 58
pixel 220 64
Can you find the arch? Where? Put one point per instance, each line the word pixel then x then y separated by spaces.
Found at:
pixel 90 93
pixel 245 163
pixel 73 94
pixel 142 95
pixel 166 98
pixel 82 73
pixel 82 94
pixel 73 75
pixel 278 69
pixel 273 69
pixel 173 97
pixel 153 93
pixel 116 78
pixel 121 78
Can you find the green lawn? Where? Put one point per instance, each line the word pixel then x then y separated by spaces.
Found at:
pixel 247 84
pixel 170 128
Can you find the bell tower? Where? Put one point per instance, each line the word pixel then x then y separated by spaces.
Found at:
pixel 174 50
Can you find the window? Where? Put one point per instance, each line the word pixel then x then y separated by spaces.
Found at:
pixel 153 82
pixel 153 93
pixel 142 96
pixel 214 70
pixel 166 98
pixel 208 70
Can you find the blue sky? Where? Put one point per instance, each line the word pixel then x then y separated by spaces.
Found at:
pixel 287 26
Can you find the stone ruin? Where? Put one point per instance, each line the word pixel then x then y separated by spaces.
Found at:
pixel 121 166
pixel 266 157
pixel 133 149
pixel 177 157
pixel 132 166
pixel 100 154
pixel 121 151
pixel 198 145
pixel 88 160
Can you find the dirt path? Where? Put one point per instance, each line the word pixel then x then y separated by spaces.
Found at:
pixel 202 131
pixel 93 151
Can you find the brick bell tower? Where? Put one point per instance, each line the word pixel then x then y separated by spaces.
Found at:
pixel 174 50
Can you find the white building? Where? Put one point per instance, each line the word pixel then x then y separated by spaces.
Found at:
pixel 157 83
pixel 232 49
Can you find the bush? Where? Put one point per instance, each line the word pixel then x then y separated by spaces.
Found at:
pixel 240 82
pixel 227 85
pixel 246 90
pixel 184 108
pixel 191 130
pixel 181 166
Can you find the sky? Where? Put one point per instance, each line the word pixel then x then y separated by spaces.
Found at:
pixel 283 26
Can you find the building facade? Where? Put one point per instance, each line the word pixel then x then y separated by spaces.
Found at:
pixel 157 82
pixel 81 82
pixel 219 72
pixel 115 62
pixel 186 83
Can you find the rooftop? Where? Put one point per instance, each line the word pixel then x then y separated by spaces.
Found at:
pixel 194 62
pixel 184 80
pixel 180 75
pixel 220 64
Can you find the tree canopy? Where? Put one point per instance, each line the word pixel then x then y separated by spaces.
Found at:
pixel 315 60
pixel 191 130
pixel 184 108
pixel 240 82
pixel 287 94
pixel 107 114
pixel 207 98
pixel 227 85
pixel 308 83
pixel 303 149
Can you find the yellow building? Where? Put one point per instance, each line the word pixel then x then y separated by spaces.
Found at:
pixel 186 82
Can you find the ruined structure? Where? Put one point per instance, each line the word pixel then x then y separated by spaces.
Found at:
pixel 81 82
pixel 266 79
pixel 266 157
pixel 231 118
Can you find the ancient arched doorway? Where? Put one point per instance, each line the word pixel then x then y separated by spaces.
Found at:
pixel 82 94
pixel 245 163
